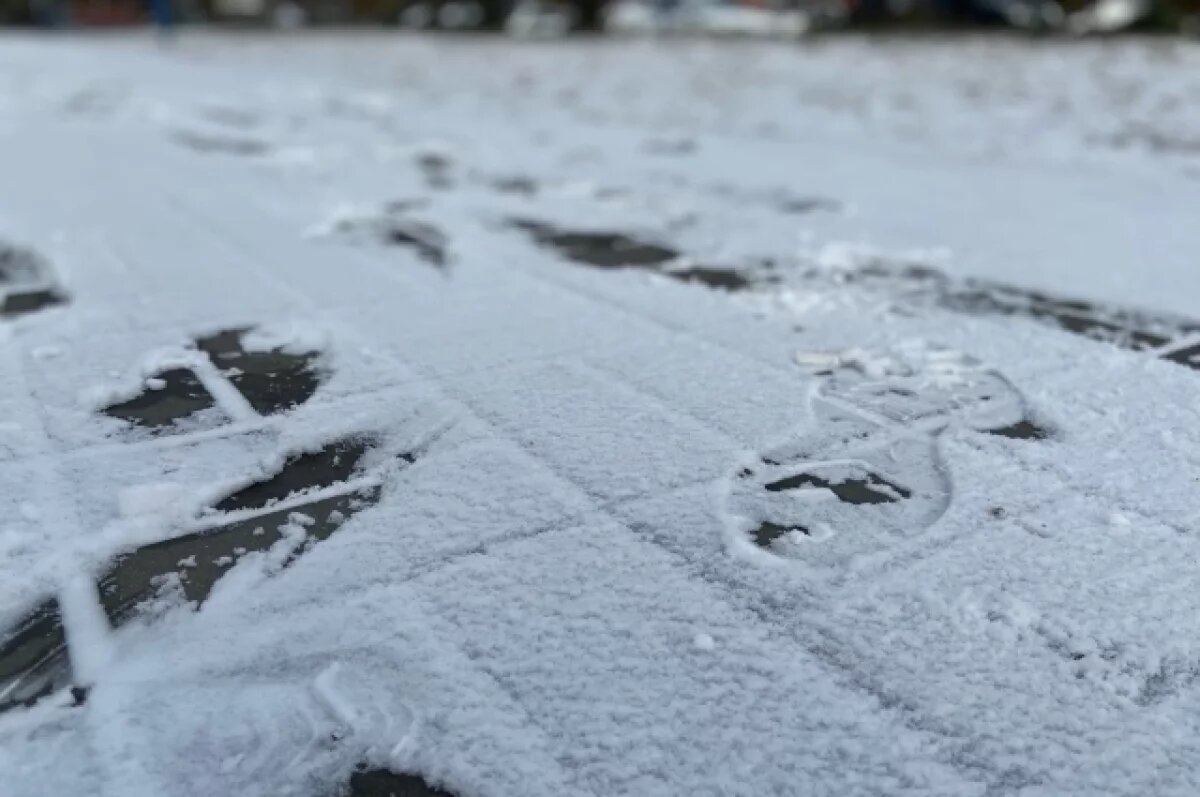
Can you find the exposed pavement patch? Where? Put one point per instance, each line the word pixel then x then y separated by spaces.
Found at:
pixel 726 279
pixel 767 533
pixel 273 380
pixel 599 249
pixel 425 239
pixel 385 783
pixel 24 303
pixel 27 282
pixel 169 397
pixel 1021 430
pixel 302 472
pixel 33 657
pixel 870 489
pixel 306 501
pixel 266 515
pixel 617 250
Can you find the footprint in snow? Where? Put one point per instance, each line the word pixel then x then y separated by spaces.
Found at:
pixel 284 514
pixel 865 472
pixel 272 379
pixel 1171 338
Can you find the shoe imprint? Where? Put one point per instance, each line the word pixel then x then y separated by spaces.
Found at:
pixel 1168 337
pixel 392 225
pixel 620 251
pixel 304 502
pixel 264 516
pixel 305 498
pixel 866 472
pixel 271 379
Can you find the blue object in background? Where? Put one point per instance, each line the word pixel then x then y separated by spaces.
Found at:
pixel 163 14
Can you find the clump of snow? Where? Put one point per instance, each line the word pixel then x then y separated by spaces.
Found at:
pixel 161 498
pixel 294 337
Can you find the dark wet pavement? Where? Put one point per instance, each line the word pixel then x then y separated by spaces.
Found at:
pixel 33 657
pixel 272 381
pixel 192 564
pixel 336 462
pixel 425 239
pixel 1022 430
pixel 176 395
pixel 725 279
pixel 599 249
pixel 617 250
pixel 384 783
pixel 767 533
pixel 18 304
pixel 850 491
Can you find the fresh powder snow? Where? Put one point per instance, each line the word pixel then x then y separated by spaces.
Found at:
pixel 493 418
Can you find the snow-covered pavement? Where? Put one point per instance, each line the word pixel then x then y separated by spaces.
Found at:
pixel 598 418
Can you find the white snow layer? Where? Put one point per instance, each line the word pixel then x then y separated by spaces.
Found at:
pixel 559 595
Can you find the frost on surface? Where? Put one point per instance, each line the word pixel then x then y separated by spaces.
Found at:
pixel 865 471
pixel 191 564
pixel 923 287
pixel 474 534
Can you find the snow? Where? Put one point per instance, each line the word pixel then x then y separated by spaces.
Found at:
pixel 978 555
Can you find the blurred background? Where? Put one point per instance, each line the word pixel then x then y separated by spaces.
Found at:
pixel 772 18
